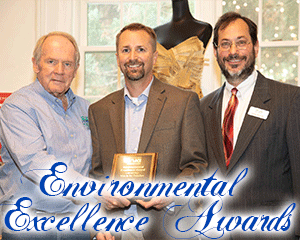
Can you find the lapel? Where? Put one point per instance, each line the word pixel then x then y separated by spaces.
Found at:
pixel 250 126
pixel 117 117
pixel 155 103
pixel 215 137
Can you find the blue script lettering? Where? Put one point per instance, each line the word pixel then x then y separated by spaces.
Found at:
pixel 52 185
pixel 214 227
pixel 17 220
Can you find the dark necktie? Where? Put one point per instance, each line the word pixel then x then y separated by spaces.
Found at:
pixel 227 129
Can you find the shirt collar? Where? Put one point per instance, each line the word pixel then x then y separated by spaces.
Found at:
pixel 244 86
pixel 144 93
pixel 49 97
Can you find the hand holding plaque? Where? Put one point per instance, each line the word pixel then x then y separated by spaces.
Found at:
pixel 140 167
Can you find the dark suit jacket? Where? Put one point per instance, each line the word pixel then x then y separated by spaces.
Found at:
pixel 269 148
pixel 172 127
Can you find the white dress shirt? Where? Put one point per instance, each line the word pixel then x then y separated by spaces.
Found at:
pixel 244 94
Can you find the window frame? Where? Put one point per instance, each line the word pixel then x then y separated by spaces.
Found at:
pixel 275 44
pixel 84 48
pixel 205 10
pixel 263 44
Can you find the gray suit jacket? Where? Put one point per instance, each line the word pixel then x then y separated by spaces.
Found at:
pixel 172 127
pixel 269 148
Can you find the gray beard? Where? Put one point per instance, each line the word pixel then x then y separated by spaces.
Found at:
pixel 236 78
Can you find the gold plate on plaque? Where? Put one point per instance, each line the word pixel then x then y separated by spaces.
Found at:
pixel 134 166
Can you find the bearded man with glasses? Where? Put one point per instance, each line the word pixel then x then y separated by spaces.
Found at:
pixel 252 122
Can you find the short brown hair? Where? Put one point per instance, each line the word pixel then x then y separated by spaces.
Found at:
pixel 39 44
pixel 230 17
pixel 138 27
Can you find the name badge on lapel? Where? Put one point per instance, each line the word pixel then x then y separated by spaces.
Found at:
pixel 258 112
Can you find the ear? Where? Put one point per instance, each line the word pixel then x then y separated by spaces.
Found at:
pixel 36 67
pixel 75 72
pixel 256 48
pixel 118 60
pixel 215 52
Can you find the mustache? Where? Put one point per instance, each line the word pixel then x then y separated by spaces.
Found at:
pixel 133 62
pixel 234 57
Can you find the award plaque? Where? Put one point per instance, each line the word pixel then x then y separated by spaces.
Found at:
pixel 139 167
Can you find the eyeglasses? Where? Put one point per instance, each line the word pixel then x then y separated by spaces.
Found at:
pixel 226 45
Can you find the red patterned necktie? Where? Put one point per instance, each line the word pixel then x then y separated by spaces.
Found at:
pixel 227 130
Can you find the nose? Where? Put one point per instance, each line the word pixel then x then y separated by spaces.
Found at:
pixel 132 55
pixel 233 49
pixel 59 68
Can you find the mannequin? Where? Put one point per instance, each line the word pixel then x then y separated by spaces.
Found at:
pixel 181 46
pixel 182 26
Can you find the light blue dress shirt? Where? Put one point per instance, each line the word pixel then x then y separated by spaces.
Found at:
pixel 35 132
pixel 134 117
pixel 135 109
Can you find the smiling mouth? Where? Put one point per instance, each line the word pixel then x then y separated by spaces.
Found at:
pixel 57 81
pixel 234 61
pixel 134 66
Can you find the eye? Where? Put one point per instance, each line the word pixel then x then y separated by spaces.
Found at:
pixel 50 61
pixel 241 43
pixel 125 50
pixel 141 49
pixel 225 44
pixel 68 64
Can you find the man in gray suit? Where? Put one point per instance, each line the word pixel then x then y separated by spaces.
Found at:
pixel 265 128
pixel 147 116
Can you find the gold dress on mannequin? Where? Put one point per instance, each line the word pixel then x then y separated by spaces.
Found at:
pixel 181 65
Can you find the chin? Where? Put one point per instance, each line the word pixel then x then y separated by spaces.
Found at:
pixel 235 73
pixel 58 91
pixel 235 70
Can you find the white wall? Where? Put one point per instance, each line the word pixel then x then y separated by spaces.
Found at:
pixel 17 28
pixel 211 77
pixel 22 22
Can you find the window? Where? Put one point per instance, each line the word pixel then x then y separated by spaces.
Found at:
pixel 278 27
pixel 102 21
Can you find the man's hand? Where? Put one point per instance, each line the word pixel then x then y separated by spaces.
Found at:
pixel 156 202
pixel 112 202
pixel 104 236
